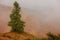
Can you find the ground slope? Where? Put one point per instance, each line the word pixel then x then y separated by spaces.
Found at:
pixel 13 36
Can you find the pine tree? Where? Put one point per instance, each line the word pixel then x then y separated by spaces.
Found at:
pixel 16 23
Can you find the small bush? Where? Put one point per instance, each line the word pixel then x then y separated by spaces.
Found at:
pixel 51 36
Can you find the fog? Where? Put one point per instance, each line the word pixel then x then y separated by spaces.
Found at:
pixel 47 9
pixel 41 16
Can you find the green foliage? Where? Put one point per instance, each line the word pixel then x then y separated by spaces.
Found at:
pixel 16 23
pixel 52 37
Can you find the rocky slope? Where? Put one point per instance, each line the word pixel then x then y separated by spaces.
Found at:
pixel 15 36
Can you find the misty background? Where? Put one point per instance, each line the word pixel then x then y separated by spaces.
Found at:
pixel 41 16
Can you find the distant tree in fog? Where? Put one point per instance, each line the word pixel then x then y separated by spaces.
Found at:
pixel 16 23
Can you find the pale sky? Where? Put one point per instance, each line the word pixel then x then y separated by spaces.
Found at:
pixel 48 8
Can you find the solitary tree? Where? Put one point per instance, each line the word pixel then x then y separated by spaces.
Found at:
pixel 16 23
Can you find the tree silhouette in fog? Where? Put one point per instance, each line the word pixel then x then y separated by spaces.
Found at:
pixel 16 23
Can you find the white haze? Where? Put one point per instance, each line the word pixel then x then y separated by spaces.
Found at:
pixel 46 12
pixel 46 8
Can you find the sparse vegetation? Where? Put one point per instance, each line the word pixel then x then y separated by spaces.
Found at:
pixel 51 36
